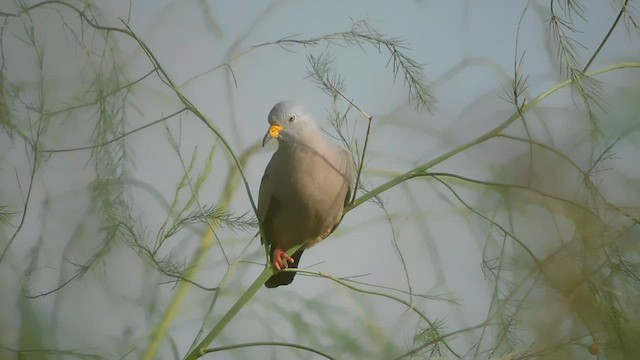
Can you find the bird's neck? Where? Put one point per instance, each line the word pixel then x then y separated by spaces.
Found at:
pixel 311 138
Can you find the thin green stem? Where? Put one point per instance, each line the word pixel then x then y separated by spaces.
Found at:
pixel 226 278
pixel 162 119
pixel 198 351
pixel 606 37
pixel 176 300
pixel 510 186
pixel 164 76
pixel 479 140
pixel 267 343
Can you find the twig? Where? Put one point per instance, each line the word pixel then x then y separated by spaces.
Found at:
pixel 366 138
pixel 198 351
pixel 479 140
pixel 118 137
pixel 606 37
pixel 267 343
pixel 370 292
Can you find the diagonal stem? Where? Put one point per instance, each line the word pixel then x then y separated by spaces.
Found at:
pixel 198 351
pixel 479 140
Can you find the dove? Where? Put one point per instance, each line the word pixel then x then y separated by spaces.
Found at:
pixel 305 188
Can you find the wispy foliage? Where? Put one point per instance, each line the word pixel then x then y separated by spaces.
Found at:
pixel 243 222
pixel 6 215
pixel 429 338
pixel 402 65
pixel 6 95
pixel 563 30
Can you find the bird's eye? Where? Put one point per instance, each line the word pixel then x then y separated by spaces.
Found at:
pixel 292 118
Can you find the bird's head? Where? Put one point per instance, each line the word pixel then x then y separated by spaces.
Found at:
pixel 288 121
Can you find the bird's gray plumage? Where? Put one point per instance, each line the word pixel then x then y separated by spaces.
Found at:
pixel 305 186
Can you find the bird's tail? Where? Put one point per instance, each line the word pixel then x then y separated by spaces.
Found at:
pixel 285 277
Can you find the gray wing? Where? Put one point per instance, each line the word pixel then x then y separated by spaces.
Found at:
pixel 267 205
pixel 350 175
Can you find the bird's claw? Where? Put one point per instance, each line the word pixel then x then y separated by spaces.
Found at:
pixel 281 259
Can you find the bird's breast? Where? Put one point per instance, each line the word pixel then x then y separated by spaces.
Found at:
pixel 315 187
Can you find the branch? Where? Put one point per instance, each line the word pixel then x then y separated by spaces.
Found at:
pixel 479 140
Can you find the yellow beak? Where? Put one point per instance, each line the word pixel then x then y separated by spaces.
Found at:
pixel 273 132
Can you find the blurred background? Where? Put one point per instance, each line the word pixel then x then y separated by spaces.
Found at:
pixel 126 230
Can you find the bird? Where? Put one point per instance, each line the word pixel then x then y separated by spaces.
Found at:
pixel 304 190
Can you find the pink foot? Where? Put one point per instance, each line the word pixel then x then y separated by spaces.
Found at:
pixel 281 260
